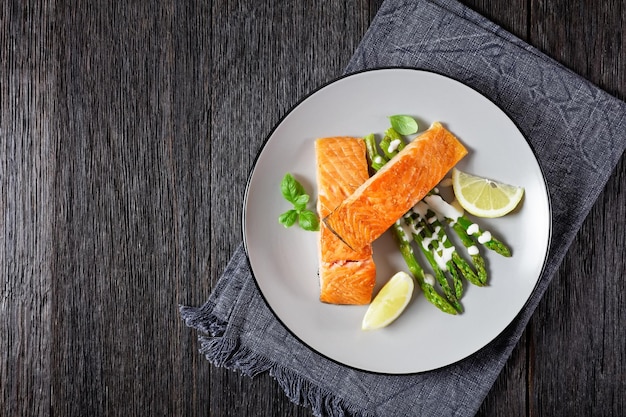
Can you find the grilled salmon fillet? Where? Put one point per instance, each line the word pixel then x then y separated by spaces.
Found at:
pixel 347 276
pixel 381 200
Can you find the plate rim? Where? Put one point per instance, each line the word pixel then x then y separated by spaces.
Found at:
pixel 279 123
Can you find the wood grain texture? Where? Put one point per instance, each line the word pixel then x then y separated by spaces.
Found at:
pixel 132 210
pixel 127 131
pixel 27 165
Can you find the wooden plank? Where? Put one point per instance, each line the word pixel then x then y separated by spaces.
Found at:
pixel 27 136
pixel 132 212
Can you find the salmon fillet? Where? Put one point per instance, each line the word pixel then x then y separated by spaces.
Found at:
pixel 377 203
pixel 350 282
pixel 347 276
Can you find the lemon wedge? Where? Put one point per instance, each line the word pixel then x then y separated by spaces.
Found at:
pixel 389 303
pixel 483 197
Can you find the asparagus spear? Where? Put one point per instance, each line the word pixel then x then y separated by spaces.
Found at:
pixel 377 161
pixel 477 260
pixel 444 210
pixel 423 237
pixel 392 143
pixel 416 270
pixel 484 237
pixel 445 249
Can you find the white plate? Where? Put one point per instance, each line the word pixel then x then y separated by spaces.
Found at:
pixel 285 261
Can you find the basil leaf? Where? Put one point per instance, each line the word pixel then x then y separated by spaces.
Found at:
pixel 288 218
pixel 309 221
pixel 403 124
pixel 301 202
pixel 294 192
pixel 291 188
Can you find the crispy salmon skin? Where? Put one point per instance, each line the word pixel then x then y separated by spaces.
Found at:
pixel 381 200
pixel 347 276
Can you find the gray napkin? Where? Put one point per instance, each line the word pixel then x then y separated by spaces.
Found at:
pixel 578 133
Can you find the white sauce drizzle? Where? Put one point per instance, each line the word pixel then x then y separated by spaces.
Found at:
pixel 473 229
pixel 472 250
pixel 484 237
pixel 420 209
pixel 440 206
pixel 393 145
pixel 429 279
pixel 378 159
pixel 416 230
pixel 426 242
pixel 444 258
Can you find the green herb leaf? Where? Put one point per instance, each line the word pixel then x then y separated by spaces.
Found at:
pixel 301 202
pixel 308 221
pixel 288 218
pixel 403 124
pixel 294 192
pixel 291 188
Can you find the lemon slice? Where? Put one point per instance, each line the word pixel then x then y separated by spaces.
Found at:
pixel 483 197
pixel 389 303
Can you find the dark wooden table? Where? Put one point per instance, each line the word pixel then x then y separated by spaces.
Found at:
pixel 127 130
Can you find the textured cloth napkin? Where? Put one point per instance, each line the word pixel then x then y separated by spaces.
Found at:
pixel 578 133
